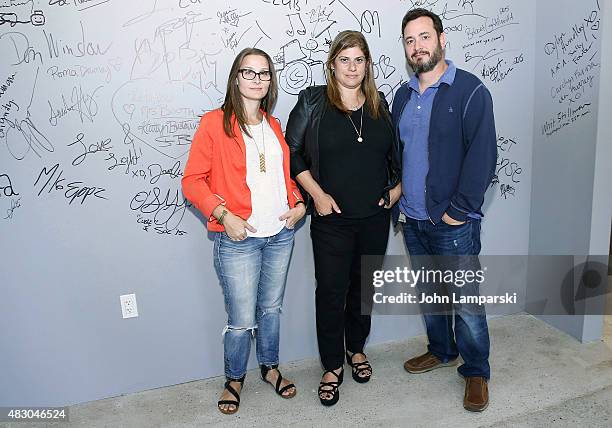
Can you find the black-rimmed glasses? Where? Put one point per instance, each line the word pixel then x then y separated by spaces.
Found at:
pixel 248 74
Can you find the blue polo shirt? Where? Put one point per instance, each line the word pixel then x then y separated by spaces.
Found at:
pixel 414 133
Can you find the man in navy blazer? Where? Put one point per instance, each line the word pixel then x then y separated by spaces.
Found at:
pixel 444 119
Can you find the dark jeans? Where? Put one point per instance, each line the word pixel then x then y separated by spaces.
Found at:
pixel 338 245
pixel 460 246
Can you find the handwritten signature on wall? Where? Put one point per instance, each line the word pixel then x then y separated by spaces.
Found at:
pixel 72 191
pixel 508 170
pixel 574 71
pixel 7 191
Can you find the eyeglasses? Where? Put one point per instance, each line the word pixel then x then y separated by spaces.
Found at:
pixel 248 74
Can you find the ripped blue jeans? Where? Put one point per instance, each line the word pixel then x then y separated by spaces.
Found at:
pixel 252 274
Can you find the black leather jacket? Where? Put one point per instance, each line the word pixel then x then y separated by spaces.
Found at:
pixel 302 136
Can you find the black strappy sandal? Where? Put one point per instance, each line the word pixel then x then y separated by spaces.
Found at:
pixel 277 388
pixel 231 390
pixel 359 368
pixel 335 393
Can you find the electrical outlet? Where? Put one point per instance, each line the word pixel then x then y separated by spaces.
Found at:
pixel 129 309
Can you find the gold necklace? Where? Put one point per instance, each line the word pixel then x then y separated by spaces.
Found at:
pixel 262 156
pixel 359 138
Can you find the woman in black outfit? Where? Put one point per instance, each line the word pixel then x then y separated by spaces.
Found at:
pixel 345 155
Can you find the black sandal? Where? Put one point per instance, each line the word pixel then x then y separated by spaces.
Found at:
pixel 359 368
pixel 231 390
pixel 335 393
pixel 277 388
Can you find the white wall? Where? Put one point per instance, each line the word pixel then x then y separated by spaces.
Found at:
pixel 128 79
pixel 567 154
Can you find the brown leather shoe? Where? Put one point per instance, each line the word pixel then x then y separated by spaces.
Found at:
pixel 426 362
pixel 476 397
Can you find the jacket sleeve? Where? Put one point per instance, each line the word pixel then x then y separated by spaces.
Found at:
pixel 196 178
pixel 297 195
pixel 480 155
pixel 394 165
pixel 295 133
pixel 398 103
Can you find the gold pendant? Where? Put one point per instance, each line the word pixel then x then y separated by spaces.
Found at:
pixel 262 163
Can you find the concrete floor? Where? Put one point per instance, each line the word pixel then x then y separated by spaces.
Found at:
pixel 541 377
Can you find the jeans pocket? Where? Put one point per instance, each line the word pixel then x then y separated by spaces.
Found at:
pixel 452 239
pixel 287 233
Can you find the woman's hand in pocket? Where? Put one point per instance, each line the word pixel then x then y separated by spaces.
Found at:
pixel 236 228
pixel 325 204
pixel 294 215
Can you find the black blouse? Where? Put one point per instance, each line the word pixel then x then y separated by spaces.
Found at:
pixel 353 173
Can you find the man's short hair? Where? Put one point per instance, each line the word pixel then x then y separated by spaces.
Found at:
pixel 413 14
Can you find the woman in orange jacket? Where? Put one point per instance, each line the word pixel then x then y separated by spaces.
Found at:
pixel 237 175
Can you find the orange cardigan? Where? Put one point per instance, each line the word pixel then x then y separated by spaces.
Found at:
pixel 216 170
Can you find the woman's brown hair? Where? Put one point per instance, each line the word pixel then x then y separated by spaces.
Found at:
pixel 233 107
pixel 344 40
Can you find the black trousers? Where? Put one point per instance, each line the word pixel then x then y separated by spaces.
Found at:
pixel 338 245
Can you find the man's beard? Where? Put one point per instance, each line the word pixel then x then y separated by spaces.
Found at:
pixel 425 66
